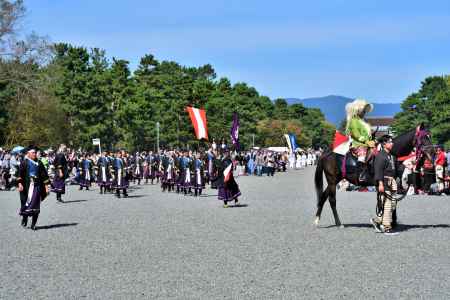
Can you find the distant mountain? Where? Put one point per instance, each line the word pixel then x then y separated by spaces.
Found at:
pixel 333 107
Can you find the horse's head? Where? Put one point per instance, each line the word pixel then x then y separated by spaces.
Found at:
pixel 423 143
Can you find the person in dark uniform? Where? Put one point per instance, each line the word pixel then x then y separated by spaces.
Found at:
pixel 120 175
pixel 103 172
pixel 384 167
pixel 34 186
pixel 61 173
pixel 86 172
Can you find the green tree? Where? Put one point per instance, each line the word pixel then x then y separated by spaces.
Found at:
pixel 430 106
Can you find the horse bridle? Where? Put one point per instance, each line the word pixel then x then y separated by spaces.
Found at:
pixel 419 138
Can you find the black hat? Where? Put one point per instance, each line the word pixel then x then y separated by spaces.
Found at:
pixel 385 139
pixel 30 148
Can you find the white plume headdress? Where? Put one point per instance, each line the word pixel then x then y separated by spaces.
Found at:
pixel 357 107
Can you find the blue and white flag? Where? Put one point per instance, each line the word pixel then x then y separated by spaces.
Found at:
pixel 291 142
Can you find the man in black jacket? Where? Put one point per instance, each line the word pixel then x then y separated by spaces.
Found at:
pixel 384 167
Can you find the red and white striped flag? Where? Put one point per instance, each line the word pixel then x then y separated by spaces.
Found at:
pixel 341 143
pixel 198 118
pixel 227 173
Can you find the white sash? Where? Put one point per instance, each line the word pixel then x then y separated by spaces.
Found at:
pixel 30 192
pixel 169 172
pixel 188 176
pixel 104 173
pixel 199 179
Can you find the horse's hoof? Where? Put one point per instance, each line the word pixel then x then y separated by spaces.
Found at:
pixel 341 226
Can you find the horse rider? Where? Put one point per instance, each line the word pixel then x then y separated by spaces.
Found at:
pixel 360 132
pixel 384 166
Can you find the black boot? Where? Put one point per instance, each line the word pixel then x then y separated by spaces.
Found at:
pixel 24 221
pixel 33 222
pixel 58 197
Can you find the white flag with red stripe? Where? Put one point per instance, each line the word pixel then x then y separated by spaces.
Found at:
pixel 227 173
pixel 341 143
pixel 198 118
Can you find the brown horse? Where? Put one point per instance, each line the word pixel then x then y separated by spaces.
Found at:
pixel 330 163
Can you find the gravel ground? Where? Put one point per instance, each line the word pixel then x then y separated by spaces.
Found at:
pixel 156 245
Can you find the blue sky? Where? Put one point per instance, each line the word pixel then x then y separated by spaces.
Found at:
pixel 376 49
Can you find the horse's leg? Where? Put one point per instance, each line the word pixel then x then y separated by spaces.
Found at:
pixel 394 218
pixel 332 188
pixel 320 204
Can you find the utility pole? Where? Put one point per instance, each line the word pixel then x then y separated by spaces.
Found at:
pixel 157 136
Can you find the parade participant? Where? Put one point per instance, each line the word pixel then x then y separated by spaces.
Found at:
pixel 303 160
pixel 169 173
pixel 198 180
pixel 298 160
pixel 85 172
pixel 104 174
pixel 145 167
pixel 309 159
pixel 154 165
pixel 127 166
pixel 187 170
pixel 384 166
pixel 137 168
pixel 160 170
pixel 360 132
pixel 228 188
pixel 440 162
pixel 178 170
pixel 165 167
pixel 33 185
pixel 120 176
pixel 61 172
pixel 210 158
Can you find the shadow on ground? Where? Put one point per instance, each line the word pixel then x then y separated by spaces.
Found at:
pixel 74 201
pixel 56 226
pixel 134 196
pixel 399 228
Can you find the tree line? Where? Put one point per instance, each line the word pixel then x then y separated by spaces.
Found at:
pixel 430 105
pixel 53 93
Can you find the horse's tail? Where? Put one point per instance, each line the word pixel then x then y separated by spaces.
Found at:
pixel 318 178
